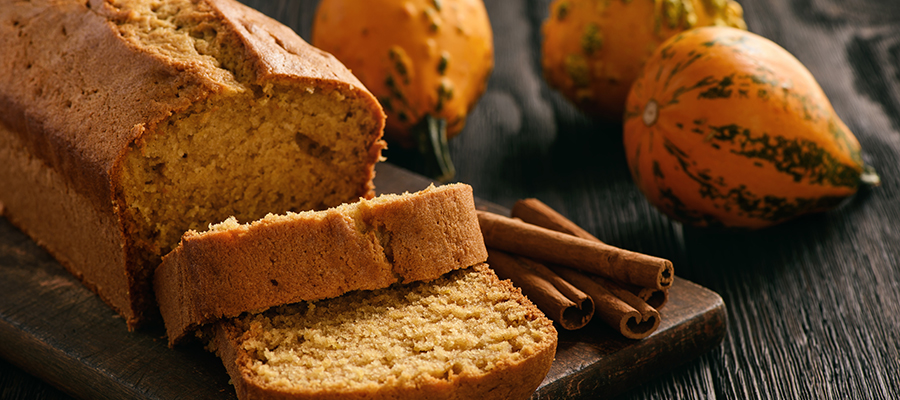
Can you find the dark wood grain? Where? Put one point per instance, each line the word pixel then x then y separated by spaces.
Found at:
pixel 812 305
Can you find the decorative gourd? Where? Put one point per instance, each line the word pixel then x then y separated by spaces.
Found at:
pixel 427 61
pixel 594 49
pixel 726 128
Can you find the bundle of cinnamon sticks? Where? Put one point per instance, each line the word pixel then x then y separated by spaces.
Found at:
pixel 569 274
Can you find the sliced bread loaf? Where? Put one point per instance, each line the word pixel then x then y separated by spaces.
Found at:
pixel 466 335
pixel 125 123
pixel 280 259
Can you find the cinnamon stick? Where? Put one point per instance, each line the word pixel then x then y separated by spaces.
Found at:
pixel 619 308
pixel 656 298
pixel 558 299
pixel 518 237
pixel 534 211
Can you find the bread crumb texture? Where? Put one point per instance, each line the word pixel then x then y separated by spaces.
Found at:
pixel 463 324
pixel 248 149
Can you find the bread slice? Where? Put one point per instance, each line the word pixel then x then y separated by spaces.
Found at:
pixel 125 123
pixel 280 259
pixel 467 335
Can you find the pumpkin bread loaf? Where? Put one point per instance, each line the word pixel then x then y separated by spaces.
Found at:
pixel 280 259
pixel 466 335
pixel 126 123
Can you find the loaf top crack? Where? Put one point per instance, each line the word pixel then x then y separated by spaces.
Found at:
pixel 234 268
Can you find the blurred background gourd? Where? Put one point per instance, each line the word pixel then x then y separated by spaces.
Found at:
pixel 427 61
pixel 594 49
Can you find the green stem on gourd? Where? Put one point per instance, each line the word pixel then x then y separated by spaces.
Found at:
pixel 430 155
pixel 430 135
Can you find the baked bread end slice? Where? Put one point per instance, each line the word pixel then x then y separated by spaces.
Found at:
pixel 234 268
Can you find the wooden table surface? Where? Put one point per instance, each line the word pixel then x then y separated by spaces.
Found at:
pixel 813 304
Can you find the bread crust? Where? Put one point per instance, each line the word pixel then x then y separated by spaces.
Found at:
pixel 315 255
pixel 505 381
pixel 77 96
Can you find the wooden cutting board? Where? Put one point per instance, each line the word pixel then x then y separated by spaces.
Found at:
pixel 57 330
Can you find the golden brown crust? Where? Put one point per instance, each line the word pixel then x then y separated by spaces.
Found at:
pixel 78 97
pixel 505 381
pixel 309 256
pixel 31 192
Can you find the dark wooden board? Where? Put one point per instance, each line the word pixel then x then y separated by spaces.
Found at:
pixel 54 328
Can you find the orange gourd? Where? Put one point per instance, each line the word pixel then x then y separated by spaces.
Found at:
pixel 726 128
pixel 427 61
pixel 594 49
